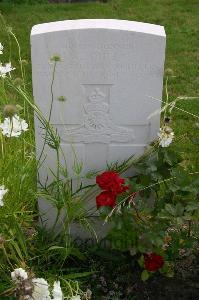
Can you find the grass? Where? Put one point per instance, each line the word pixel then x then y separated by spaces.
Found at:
pixel 181 22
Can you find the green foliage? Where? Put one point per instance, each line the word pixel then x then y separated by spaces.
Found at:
pixel 145 275
pixel 23 243
pixel 180 19
pixel 24 1
pixel 161 218
pixel 166 209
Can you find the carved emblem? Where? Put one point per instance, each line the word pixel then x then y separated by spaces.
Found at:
pixel 97 125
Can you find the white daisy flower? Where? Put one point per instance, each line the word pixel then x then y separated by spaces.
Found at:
pixel 13 127
pixel 4 69
pixel 1 48
pixel 19 275
pixel 166 136
pixel 57 292
pixel 3 191
pixel 40 289
pixel 77 297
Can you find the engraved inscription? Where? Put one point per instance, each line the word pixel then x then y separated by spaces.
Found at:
pixel 127 43
pixel 97 125
pixel 82 70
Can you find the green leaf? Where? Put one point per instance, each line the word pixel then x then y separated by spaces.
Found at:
pixel 173 187
pixel 179 209
pixel 170 209
pixel 157 241
pixel 17 249
pixel 145 275
pixel 104 211
pixel 170 274
pixel 179 221
pixel 77 253
pixel 152 167
pixel 55 248
pixel 77 275
pixel 141 261
pixel 192 206
pixel 167 269
pixel 171 157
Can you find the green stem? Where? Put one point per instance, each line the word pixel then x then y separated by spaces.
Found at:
pixel 2 146
pixel 20 60
pixel 167 98
pixel 58 174
pixel 56 220
pixel 5 253
pixel 50 112
pixel 189 228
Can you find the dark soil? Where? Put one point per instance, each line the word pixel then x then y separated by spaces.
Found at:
pixel 118 278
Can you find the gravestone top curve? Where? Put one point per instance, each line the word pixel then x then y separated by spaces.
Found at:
pixel 99 24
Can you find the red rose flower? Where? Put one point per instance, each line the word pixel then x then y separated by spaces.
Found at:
pixel 112 182
pixel 106 199
pixel 153 262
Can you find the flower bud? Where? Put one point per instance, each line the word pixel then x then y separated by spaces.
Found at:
pixel 62 99
pixel 55 58
pixel 27 288
pixel 24 62
pixel 88 294
pixel 167 120
pixel 2 240
pixel 169 72
pixel 30 232
pixel 196 125
pixel 9 29
pixel 10 110
pixel 18 81
pixel 168 130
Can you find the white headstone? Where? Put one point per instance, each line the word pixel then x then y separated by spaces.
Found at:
pixel 108 74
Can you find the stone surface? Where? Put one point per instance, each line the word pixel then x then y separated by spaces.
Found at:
pixel 108 74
